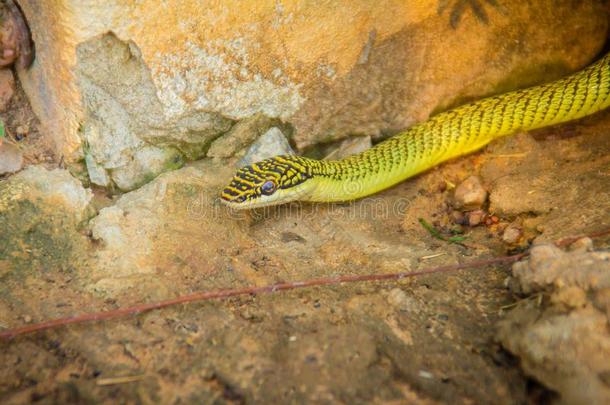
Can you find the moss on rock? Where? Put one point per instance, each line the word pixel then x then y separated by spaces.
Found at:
pixel 41 214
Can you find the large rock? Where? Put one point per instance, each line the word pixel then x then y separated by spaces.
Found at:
pixel 113 78
pixel 138 232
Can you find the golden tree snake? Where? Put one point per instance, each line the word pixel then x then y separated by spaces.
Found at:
pixel 453 133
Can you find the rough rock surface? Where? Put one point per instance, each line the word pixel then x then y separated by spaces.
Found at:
pixel 165 75
pixel 565 342
pixel 57 186
pixel 40 213
pixel 240 136
pixel 271 143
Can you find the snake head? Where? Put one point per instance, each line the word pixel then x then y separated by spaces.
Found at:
pixel 273 181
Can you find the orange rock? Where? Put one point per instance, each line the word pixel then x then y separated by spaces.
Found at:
pixel 174 73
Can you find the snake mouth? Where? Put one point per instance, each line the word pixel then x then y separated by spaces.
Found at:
pixel 246 204
pixel 232 204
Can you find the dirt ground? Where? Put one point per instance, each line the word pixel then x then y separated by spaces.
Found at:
pixel 22 129
pixel 429 339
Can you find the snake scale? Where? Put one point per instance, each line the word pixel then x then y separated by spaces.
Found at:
pixel 446 135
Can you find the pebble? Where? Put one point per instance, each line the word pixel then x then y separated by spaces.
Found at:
pixel 491 220
pixel 22 130
pixel 97 173
pixel 271 143
pixel 292 237
pixel 7 88
pixel 512 234
pixel 582 245
pixel 401 301
pixel 470 194
pixel 458 217
pixel 476 217
pixel 11 158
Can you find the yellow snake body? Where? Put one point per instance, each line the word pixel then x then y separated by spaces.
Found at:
pixel 447 135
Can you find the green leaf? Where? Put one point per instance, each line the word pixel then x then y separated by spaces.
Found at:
pixel 437 234
pixel 432 230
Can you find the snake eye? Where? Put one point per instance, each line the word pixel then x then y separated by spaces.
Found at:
pixel 268 187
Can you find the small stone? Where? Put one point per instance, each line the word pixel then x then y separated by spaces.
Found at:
pixel 11 158
pixel 350 146
pixel 401 301
pixel 512 234
pixel 475 217
pixel 22 130
pixel 27 319
pixel 97 174
pixel 458 217
pixel 491 220
pixel 292 237
pixel 271 143
pixel 207 373
pixel 582 245
pixel 7 88
pixel 470 194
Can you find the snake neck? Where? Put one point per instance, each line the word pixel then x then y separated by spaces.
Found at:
pixel 460 131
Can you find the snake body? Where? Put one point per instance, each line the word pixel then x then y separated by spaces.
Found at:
pixel 447 135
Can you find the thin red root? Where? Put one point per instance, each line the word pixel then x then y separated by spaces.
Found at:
pixel 209 295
